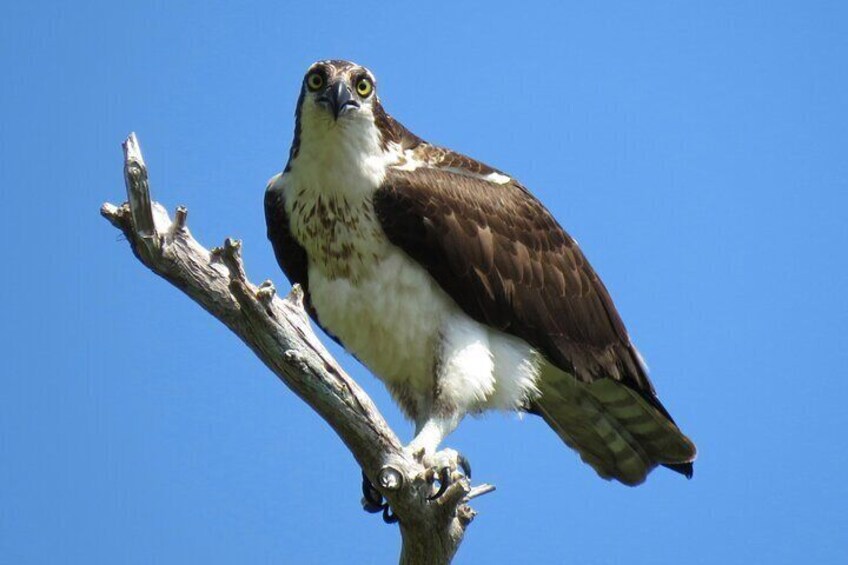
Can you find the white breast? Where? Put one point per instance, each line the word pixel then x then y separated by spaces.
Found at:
pixel 390 319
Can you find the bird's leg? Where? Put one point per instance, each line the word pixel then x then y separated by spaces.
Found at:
pixel 429 433
pixel 442 466
pixel 463 378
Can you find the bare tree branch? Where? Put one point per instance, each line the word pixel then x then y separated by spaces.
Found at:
pixel 279 332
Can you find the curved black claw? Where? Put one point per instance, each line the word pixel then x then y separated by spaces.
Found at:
pixel 445 477
pixel 464 465
pixel 389 517
pixel 373 501
pixel 444 481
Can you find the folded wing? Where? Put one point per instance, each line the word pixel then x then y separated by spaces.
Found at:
pixel 507 263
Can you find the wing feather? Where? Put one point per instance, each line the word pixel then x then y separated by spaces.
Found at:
pixel 500 254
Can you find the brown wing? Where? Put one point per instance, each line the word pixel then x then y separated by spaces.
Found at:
pixel 507 263
pixel 290 255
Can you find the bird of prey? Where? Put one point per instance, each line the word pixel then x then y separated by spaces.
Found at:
pixel 455 286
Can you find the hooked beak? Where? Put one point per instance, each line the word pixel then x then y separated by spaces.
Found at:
pixel 338 99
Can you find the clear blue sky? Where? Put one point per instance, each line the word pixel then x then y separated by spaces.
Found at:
pixel 698 153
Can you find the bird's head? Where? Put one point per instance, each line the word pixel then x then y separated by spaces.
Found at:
pixel 338 92
pixel 339 115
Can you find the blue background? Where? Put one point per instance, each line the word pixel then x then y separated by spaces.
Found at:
pixel 698 153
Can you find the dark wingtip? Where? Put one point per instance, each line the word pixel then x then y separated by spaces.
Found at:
pixel 685 469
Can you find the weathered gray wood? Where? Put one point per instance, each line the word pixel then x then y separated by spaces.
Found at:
pixel 279 332
pixel 138 195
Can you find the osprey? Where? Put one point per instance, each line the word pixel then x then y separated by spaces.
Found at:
pixel 455 285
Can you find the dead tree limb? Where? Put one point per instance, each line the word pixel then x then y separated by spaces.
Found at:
pixel 280 334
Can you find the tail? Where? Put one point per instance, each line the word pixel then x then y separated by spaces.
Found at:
pixel 614 428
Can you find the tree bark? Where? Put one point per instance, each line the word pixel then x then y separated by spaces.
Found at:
pixel 279 332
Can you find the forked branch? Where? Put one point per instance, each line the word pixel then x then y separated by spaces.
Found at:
pixel 279 332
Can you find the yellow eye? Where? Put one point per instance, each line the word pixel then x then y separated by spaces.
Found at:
pixel 315 81
pixel 364 87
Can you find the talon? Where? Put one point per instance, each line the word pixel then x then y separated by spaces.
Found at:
pixel 372 500
pixel 464 465
pixel 444 481
pixel 370 507
pixel 389 517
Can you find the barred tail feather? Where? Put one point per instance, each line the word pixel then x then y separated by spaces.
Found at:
pixel 612 427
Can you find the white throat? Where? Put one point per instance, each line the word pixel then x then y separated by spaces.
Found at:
pixel 329 187
pixel 341 157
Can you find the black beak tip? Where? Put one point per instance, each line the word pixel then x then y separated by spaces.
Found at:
pixel 338 99
pixel 347 106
